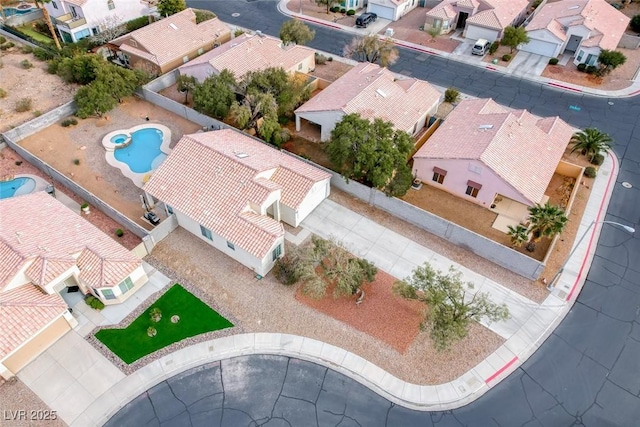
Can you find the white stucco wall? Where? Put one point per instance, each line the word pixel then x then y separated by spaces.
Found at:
pixel 326 119
pixel 458 173
pixel 316 195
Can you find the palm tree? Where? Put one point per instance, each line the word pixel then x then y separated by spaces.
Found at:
pixel 47 19
pixel 546 220
pixel 591 142
pixel 518 234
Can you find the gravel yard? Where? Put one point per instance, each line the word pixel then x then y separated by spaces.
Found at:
pixel 15 396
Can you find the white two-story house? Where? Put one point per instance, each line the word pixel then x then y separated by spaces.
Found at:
pixel 77 19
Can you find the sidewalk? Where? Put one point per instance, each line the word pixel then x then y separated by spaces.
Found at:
pixel 515 67
pixel 530 326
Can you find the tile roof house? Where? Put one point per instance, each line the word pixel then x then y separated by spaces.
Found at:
pixel 479 19
pixel 44 249
pixel 166 44
pixel 232 191
pixel 483 150
pixel 371 91
pixel 251 52
pixel 77 19
pixel 581 28
pixel 391 9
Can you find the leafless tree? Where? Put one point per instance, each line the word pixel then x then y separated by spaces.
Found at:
pixel 372 49
pixel 111 27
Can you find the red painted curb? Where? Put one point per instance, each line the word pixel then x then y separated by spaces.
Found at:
pixel 564 87
pixel 326 24
pixel 501 370
pixel 416 48
pixel 593 232
pixel 491 68
pixel 635 93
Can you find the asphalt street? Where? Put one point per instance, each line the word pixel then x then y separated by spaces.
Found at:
pixel 587 373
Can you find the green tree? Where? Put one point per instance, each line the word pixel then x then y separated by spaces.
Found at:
pixel 203 15
pixel 635 23
pixel 252 108
pixel 121 82
pixel 450 311
pixel 169 7
pixel 327 3
pixel 186 84
pixel 546 221
pixel 215 95
pixel 371 152
pixel 287 90
pixel 513 37
pixel 372 48
pixel 93 99
pixel 296 31
pixel 518 234
pixel 81 69
pixel 591 142
pixel 609 60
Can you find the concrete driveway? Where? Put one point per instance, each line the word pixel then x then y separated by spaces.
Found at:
pixel 528 64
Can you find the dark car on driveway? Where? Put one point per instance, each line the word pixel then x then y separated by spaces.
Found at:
pixel 365 19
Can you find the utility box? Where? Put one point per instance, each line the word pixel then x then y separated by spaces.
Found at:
pixel 389 32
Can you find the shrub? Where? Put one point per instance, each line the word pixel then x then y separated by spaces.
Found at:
pixel 119 232
pixel 42 28
pixel 203 15
pixel 590 172
pixel 3 93
pixel 52 66
pixel 351 12
pixel 23 105
pixel 238 32
pixel 553 61
pixel 320 59
pixel 137 23
pixel 1 63
pixel 2 39
pixel 26 64
pixel 334 9
pixel 582 67
pixel 85 205
pixel 37 113
pixel 635 23
pixel 506 57
pixel 43 54
pixel 77 162
pixel 536 3
pixel 26 49
pixel 18 162
pixel 597 160
pixel 592 69
pixel 451 95
pixel 287 269
pixel 343 10
pixel 6 46
pixel 94 302
pixel 69 122
pixel 330 58
pixel 494 47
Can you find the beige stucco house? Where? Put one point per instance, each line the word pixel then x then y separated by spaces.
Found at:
pixel 166 44
pixel 46 248
pixel 232 191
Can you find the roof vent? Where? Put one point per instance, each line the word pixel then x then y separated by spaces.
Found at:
pixel 574 7
pixel 381 93
pixel 485 127
pixel 172 25
pixel 241 155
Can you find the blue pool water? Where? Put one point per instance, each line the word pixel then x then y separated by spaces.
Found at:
pixel 143 154
pixel 119 139
pixel 22 185
pixel 10 11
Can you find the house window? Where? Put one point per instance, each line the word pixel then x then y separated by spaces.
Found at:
pixel 169 210
pixel 108 294
pixel 185 59
pixel 438 175
pixel 473 188
pixel 277 252
pixel 126 285
pixel 300 66
pixel 206 233
pixel 200 51
pixel 95 31
pixel 55 6
pixel 580 55
pixel 591 59
pixel 82 34
pixel 111 5
pixel 231 245
pixel 73 12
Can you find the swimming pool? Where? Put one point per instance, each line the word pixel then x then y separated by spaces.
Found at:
pixel 143 154
pixel 17 186
pixel 10 11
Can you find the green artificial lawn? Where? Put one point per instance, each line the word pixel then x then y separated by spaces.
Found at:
pixel 132 343
pixel 34 34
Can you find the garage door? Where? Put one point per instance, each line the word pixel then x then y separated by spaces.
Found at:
pixel 540 47
pixel 474 33
pixel 36 345
pixel 382 11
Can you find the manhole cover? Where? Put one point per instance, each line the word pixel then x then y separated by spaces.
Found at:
pixel 610 103
pixel 235 15
pixel 626 185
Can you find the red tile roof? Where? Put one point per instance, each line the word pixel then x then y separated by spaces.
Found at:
pixel 171 38
pixel 214 177
pixel 523 149
pixel 375 92
pixel 501 13
pixel 24 311
pixel 605 22
pixel 38 230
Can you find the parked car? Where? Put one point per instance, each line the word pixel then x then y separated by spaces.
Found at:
pixel 480 47
pixel 365 19
pixel 152 218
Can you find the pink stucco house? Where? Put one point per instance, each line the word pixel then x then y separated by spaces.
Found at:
pixel 484 152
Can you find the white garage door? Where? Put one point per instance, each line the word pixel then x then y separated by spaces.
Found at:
pixel 382 11
pixel 539 47
pixel 474 33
